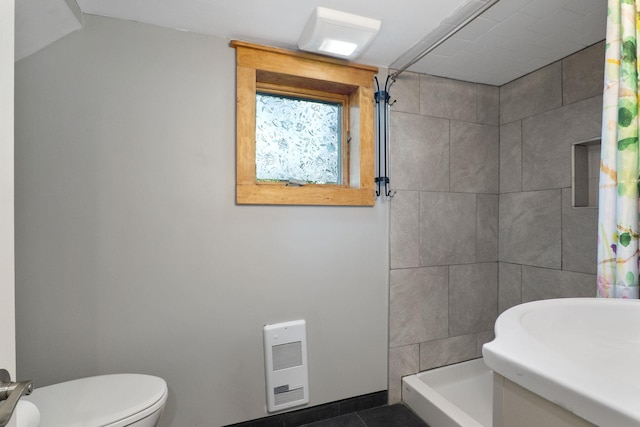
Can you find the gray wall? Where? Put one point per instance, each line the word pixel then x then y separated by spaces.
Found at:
pixel 132 255
pixel 444 223
pixel 547 247
pixel 483 220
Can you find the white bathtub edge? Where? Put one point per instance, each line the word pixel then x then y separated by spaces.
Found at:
pixel 432 407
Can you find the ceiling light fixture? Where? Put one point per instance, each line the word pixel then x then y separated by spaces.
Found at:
pixel 336 33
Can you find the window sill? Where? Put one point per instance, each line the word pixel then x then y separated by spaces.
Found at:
pixel 306 195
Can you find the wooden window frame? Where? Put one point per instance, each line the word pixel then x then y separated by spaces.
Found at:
pixel 262 69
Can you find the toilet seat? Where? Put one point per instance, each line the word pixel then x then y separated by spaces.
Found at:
pixel 116 400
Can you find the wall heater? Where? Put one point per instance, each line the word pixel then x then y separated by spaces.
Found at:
pixel 287 374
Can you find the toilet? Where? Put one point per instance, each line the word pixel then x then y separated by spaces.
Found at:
pixel 116 400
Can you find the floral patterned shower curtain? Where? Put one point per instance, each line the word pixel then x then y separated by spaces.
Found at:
pixel 618 196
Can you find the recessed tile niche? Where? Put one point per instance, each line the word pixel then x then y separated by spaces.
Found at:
pixel 585 173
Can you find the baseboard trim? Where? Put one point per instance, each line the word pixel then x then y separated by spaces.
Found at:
pixel 319 412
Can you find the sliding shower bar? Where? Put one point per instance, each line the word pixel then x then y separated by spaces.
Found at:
pixel 444 38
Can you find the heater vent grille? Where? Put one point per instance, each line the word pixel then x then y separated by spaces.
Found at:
pixel 289 396
pixel 287 355
pixel 287 376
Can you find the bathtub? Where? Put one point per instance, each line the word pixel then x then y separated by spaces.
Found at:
pixel 578 355
pixel 458 395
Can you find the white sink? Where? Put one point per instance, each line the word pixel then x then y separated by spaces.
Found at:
pixel 579 353
pixel 26 414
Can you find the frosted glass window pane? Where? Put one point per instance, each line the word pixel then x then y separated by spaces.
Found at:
pixel 297 139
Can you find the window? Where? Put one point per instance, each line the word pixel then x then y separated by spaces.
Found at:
pixel 305 129
pixel 298 138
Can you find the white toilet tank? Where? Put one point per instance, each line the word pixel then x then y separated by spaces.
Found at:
pixel 117 400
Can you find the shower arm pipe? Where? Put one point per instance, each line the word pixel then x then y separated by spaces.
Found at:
pixel 444 38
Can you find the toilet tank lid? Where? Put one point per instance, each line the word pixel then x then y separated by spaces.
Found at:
pixel 101 401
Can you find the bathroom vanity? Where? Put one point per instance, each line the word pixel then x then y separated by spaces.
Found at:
pixel 566 362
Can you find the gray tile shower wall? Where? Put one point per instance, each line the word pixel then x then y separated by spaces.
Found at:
pixel 547 139
pixel 444 223
pixel 511 157
pixel 547 247
pixel 532 94
pixel 447 228
pixel 482 219
pixel 410 319
pixel 474 152
pixel 530 228
pixel 422 163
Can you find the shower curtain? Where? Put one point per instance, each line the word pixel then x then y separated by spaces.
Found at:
pixel 618 193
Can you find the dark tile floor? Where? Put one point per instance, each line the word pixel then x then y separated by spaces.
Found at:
pixel 369 410
pixel 383 416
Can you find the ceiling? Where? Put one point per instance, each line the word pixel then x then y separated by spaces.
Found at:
pixel 510 39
